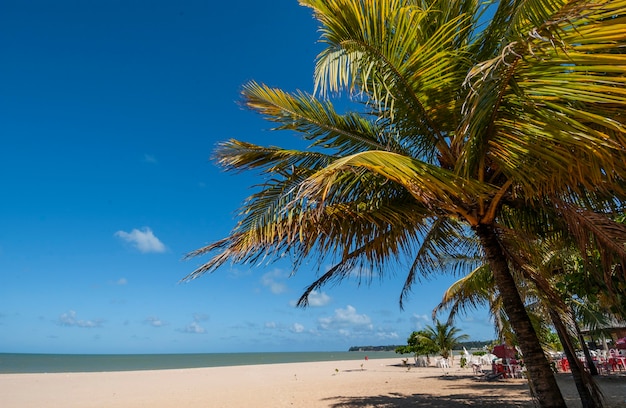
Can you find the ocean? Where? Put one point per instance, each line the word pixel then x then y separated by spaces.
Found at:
pixel 68 363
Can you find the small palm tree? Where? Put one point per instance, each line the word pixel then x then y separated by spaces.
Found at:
pixel 445 337
pixel 419 344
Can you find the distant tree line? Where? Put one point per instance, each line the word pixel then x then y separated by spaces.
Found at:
pixel 373 348
pixel 467 344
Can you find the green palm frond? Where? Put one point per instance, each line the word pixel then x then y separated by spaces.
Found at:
pixel 317 120
pixel 240 156
pixel 363 262
pixel 408 68
pixel 556 93
pixel 358 231
pixel 595 232
pixel 445 248
pixel 429 185
pixel 475 289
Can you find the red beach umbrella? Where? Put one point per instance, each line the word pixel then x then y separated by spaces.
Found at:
pixel 504 351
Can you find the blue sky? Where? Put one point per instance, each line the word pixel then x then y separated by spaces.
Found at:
pixel 109 111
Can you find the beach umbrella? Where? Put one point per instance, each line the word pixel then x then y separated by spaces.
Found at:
pixel 621 343
pixel 468 356
pixel 504 351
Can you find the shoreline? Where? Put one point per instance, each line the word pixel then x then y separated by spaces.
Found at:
pixel 14 363
pixel 341 384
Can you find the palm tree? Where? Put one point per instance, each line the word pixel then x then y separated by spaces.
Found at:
pixel 474 290
pixel 478 288
pixel 445 337
pixel 419 343
pixel 461 120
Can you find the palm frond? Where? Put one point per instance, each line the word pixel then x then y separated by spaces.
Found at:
pixel 446 247
pixel 597 233
pixel 532 95
pixel 429 185
pixel 475 289
pixel 317 120
pixel 240 156
pixel 407 66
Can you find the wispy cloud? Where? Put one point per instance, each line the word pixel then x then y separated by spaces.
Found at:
pixel 148 158
pixel 69 319
pixel 144 240
pixel 155 321
pixel 194 328
pixel 121 282
pixel 297 328
pixel 318 299
pixel 272 280
pixel 200 317
pixel 420 321
pixel 344 319
pixel 385 335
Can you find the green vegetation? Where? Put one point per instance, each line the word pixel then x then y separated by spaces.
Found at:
pixel 419 344
pixel 442 339
pixel 469 345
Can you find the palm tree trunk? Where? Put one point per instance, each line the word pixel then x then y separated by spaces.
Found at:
pixel 541 378
pixel 593 370
pixel 587 391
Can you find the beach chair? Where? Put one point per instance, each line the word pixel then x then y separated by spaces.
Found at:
pixel 444 365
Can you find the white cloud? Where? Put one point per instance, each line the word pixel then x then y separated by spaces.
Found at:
pixel 297 328
pixel 148 158
pixel 318 299
pixel 69 319
pixel 121 282
pixel 420 321
pixel 345 319
pixel 155 322
pixel 200 317
pixel 270 325
pixel 360 273
pixel 144 240
pixel 344 332
pixel 272 279
pixel 194 328
pixel 387 335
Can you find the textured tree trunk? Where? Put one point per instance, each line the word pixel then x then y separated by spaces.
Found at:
pixel 593 370
pixel 583 381
pixel 541 378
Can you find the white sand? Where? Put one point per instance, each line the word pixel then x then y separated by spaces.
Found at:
pixel 377 383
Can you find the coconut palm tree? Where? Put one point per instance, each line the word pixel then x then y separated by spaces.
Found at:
pixel 419 343
pixel 462 114
pixel 478 288
pixel 475 290
pixel 445 337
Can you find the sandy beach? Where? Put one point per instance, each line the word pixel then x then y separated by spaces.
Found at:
pixel 373 383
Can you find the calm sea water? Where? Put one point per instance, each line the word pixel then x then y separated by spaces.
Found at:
pixel 66 363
